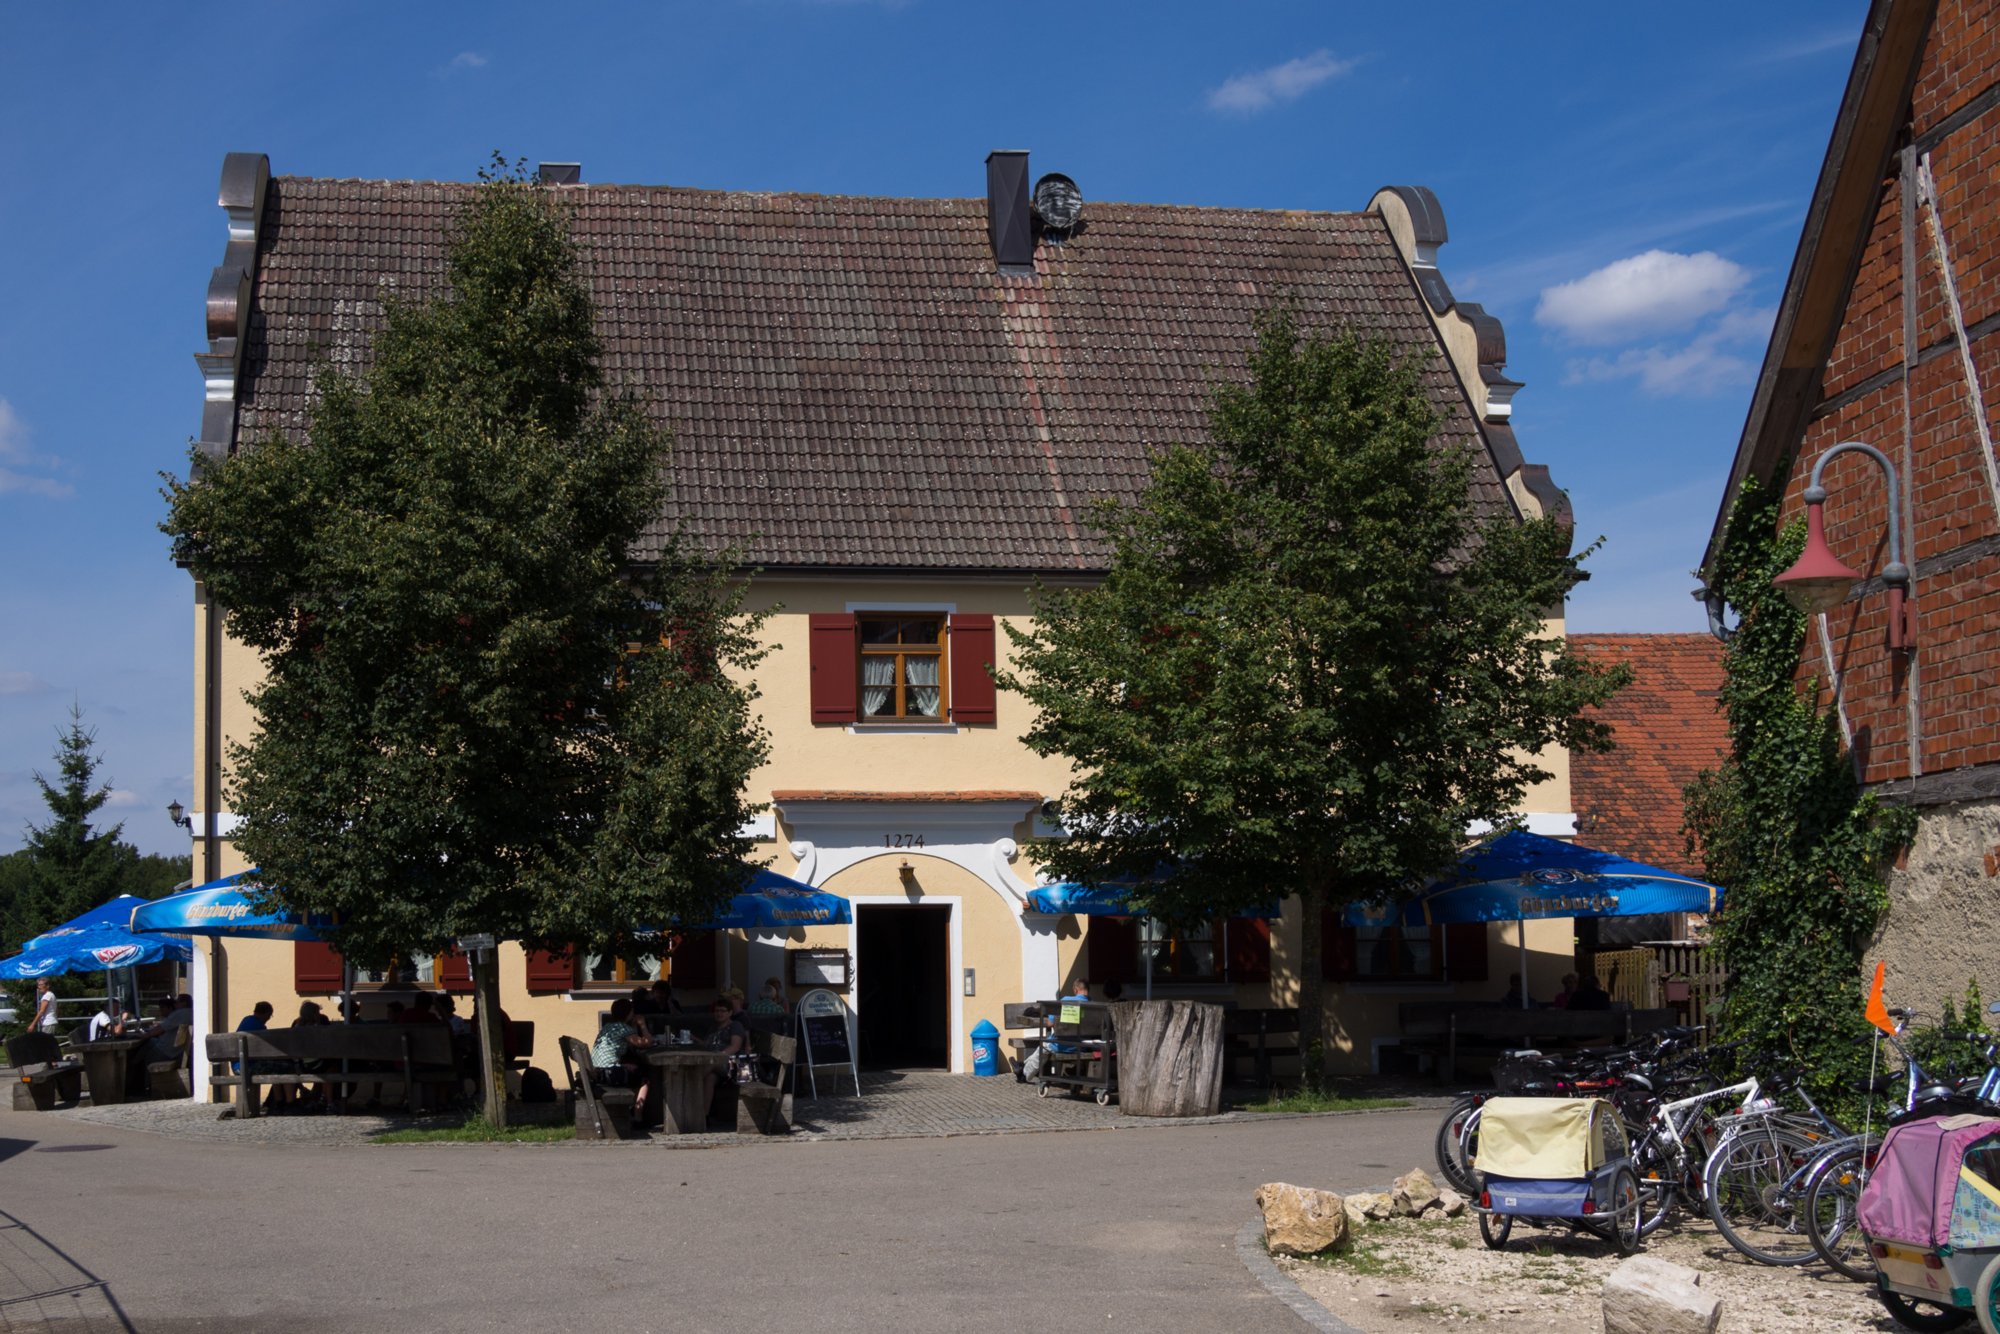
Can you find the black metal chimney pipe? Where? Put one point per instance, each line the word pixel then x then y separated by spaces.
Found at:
pixel 1008 221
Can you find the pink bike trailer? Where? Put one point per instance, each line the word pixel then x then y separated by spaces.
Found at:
pixel 1934 1185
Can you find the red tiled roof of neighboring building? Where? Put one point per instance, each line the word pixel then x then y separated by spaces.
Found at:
pixel 839 794
pixel 849 381
pixel 1668 729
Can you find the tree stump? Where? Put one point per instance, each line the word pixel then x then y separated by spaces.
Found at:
pixel 1169 1058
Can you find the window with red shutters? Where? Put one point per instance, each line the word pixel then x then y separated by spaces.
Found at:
pixel 1465 952
pixel 972 648
pixel 454 971
pixel 1113 951
pixel 693 961
pixel 1249 948
pixel 1336 947
pixel 834 653
pixel 551 970
pixel 316 966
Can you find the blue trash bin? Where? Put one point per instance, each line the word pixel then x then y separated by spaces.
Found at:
pixel 985 1048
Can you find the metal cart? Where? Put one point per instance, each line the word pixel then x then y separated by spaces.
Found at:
pixel 1556 1162
pixel 1930 1214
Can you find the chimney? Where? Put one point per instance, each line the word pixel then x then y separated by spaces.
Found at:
pixel 1008 222
pixel 560 173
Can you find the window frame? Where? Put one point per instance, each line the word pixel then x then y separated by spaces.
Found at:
pixel 938 650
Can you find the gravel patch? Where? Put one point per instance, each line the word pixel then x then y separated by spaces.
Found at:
pixel 1436 1274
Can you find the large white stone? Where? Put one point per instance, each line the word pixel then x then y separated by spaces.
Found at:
pixel 1646 1295
pixel 1299 1220
pixel 1414 1192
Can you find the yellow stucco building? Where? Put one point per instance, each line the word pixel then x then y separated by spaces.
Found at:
pixel 900 409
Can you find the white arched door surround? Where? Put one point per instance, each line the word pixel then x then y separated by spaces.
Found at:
pixel 831 834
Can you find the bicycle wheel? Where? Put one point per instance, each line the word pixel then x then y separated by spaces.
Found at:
pixel 1986 1297
pixel 1625 1211
pixel 1924 1317
pixel 1493 1229
pixel 1453 1157
pixel 1832 1193
pixel 1656 1173
pixel 1752 1198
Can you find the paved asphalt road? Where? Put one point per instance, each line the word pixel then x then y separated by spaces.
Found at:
pixel 1113 1229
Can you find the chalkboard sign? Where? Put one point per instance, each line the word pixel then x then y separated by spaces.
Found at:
pixel 826 1028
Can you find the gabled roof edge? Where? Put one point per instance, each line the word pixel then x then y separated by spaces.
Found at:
pixel 1873 112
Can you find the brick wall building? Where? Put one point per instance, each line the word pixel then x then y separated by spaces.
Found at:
pixel 1889 334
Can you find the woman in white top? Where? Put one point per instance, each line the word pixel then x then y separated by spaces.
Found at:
pixel 45 1008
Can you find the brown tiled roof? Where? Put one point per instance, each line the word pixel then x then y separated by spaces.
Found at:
pixel 849 381
pixel 1668 729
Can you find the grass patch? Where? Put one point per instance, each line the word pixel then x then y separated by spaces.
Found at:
pixel 1303 1101
pixel 478 1130
pixel 1366 1260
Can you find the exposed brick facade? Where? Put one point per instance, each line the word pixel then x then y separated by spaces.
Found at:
pixel 1924 421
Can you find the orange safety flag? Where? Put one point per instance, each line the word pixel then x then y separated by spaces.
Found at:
pixel 1877 1013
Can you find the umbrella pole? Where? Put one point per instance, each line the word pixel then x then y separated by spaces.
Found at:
pixel 1521 935
pixel 1149 965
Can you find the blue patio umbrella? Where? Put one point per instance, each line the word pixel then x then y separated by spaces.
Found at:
pixel 1521 876
pixel 775 902
pixel 224 908
pixel 95 941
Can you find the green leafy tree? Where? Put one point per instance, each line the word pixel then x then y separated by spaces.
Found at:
pixel 477 717
pixel 1310 667
pixel 72 864
pixel 1784 824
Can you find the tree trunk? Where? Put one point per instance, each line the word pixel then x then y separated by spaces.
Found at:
pixel 1169 1058
pixel 492 1051
pixel 1312 989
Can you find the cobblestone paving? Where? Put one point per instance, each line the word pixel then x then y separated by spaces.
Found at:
pixel 41 1288
pixel 893 1104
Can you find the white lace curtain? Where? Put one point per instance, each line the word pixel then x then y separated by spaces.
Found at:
pixel 923 685
pixel 878 684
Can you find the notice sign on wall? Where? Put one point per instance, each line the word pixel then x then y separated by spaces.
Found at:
pixel 819 968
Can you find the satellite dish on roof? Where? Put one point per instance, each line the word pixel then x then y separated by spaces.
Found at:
pixel 1058 203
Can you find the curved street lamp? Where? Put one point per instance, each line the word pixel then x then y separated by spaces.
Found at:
pixel 1818 581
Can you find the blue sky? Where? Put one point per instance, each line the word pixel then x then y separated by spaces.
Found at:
pixel 1623 184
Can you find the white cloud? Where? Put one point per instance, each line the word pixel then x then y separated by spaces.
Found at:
pixel 23 683
pixel 1645 294
pixel 1701 367
pixel 19 467
pixel 466 60
pixel 124 799
pixel 1247 94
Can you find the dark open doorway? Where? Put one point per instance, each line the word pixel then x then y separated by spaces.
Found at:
pixel 902 965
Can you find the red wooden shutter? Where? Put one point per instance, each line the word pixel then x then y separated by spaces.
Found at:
pixel 1114 950
pixel 316 966
pixel 551 970
pixel 972 649
pixel 1249 949
pixel 1336 947
pixel 694 961
pixel 1465 952
pixel 834 651
pixel 454 971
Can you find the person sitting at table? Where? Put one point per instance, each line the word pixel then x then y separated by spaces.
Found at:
pixel 1512 999
pixel 160 1035
pixel 663 996
pixel 615 1055
pixel 731 1037
pixel 770 1000
pixel 645 1003
pixel 1590 995
pixel 421 1010
pixel 108 1022
pixel 1563 997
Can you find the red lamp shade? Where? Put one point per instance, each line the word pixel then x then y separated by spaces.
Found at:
pixel 1817 581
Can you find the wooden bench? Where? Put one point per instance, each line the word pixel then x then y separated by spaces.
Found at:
pixel 405 1057
pixel 601 1112
pixel 766 1108
pixel 40 1067
pixel 1026 1021
pixel 167 1079
pixel 1256 1036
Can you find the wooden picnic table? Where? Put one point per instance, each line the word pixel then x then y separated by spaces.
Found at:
pixel 107 1064
pixel 682 1093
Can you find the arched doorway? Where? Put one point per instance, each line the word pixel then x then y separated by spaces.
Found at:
pixel 903 983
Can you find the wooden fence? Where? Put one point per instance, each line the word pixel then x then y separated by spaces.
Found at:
pixel 1684 977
